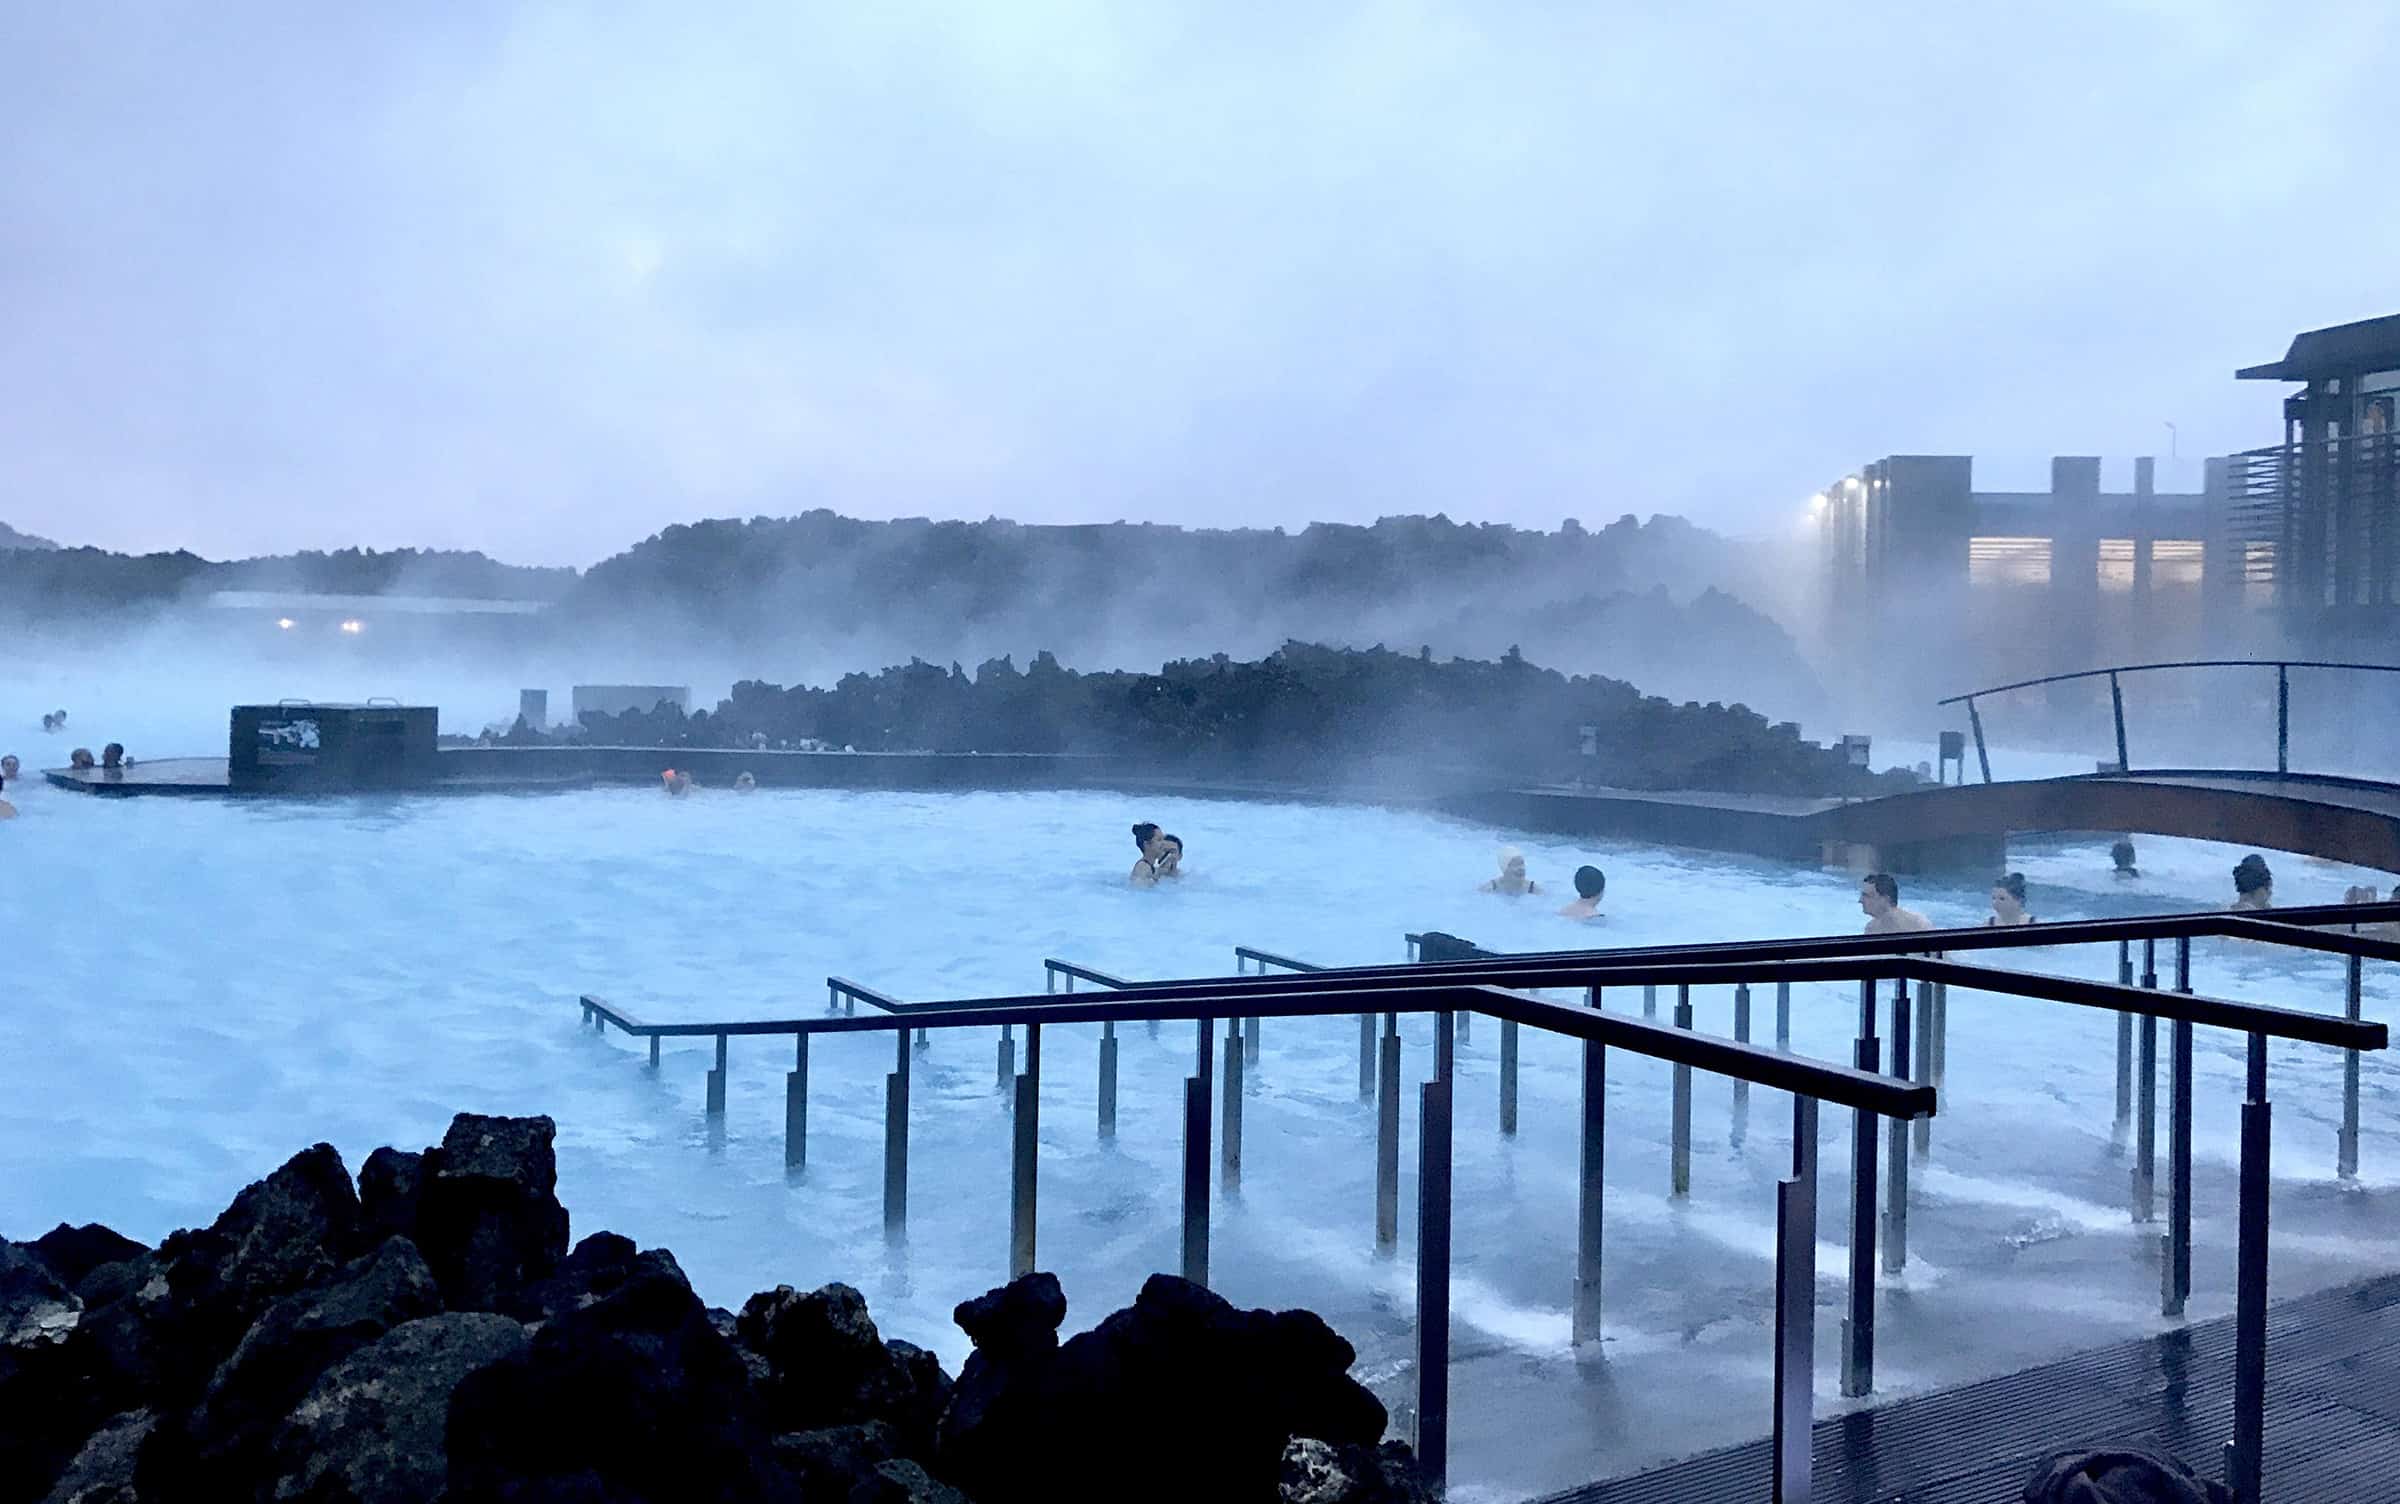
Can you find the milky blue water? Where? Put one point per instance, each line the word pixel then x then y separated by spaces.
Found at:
pixel 193 990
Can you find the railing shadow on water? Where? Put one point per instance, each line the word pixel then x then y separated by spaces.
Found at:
pixel 1461 980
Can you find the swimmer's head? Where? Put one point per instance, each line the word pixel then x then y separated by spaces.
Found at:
pixel 744 781
pixel 1143 834
pixel 1878 894
pixel 2250 875
pixel 2009 889
pixel 8 766
pixel 113 755
pixel 81 757
pixel 1590 882
pixel 2122 855
pixel 1512 862
pixel 1170 849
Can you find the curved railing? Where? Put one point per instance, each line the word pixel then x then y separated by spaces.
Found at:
pixel 2116 695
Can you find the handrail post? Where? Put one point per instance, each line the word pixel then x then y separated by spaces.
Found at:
pixel 1983 759
pixel 1680 1148
pixel 1589 1196
pixel 1250 1032
pixel 716 1082
pixel 1649 1000
pixel 1796 1311
pixel 1025 1161
pixel 2283 718
pixel 795 1106
pixel 1230 1147
pixel 2346 1150
pixel 895 1143
pixel 1783 1016
pixel 654 1052
pixel 1741 1088
pixel 2124 1049
pixel 1923 1133
pixel 2145 1093
pixel 1508 1077
pixel 1005 1062
pixel 1108 1079
pixel 1895 1216
pixel 2244 1459
pixel 1366 1056
pixel 2116 700
pixel 1858 1329
pixel 1433 1279
pixel 1195 1180
pixel 1387 1140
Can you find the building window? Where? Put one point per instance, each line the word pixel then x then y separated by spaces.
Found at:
pixel 2258 574
pixel 2116 564
pixel 2008 561
pixel 2176 562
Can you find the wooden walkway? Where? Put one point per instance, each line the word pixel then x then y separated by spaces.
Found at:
pixel 2333 1419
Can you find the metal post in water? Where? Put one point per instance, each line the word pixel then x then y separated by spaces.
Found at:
pixel 1858 1329
pixel 1783 1015
pixel 2175 1278
pixel 1195 1180
pixel 1108 1079
pixel 1680 1170
pixel 2145 1094
pixel 2244 1455
pixel 1924 1073
pixel 1941 1030
pixel 2124 1047
pixel 1250 1033
pixel 895 1140
pixel 1025 1162
pixel 1895 1241
pixel 795 1106
pixel 1508 1077
pixel 1387 1141
pixel 1983 759
pixel 1007 1058
pixel 1230 1152
pixel 1366 1056
pixel 2346 1151
pixel 1588 1192
pixel 2283 718
pixel 1796 1311
pixel 1433 1280
pixel 1649 1000
pixel 1741 1035
pixel 654 1052
pixel 716 1082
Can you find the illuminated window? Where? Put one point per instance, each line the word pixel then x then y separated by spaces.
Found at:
pixel 2258 574
pixel 2116 563
pixel 2176 562
pixel 2008 561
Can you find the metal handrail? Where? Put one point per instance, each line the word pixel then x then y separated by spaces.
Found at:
pixel 2116 694
pixel 1057 968
pixel 1264 958
pixel 841 987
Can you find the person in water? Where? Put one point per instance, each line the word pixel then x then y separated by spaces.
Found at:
pixel 744 782
pixel 676 782
pixel 8 768
pixel 1170 856
pixel 1512 879
pixel 1879 900
pixel 112 757
pixel 2008 902
pixel 56 720
pixel 1147 841
pixel 8 811
pixel 80 760
pixel 2253 884
pixel 1590 883
pixel 2122 855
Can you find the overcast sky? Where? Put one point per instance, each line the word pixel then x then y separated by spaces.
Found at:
pixel 543 279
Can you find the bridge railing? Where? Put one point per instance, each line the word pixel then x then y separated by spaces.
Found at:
pixel 1490 985
pixel 2116 697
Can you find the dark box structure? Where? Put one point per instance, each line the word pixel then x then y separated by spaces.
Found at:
pixel 297 745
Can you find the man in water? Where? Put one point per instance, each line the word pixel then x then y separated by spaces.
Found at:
pixel 1590 883
pixel 2253 884
pixel 8 811
pixel 1512 879
pixel 676 782
pixel 1146 840
pixel 8 768
pixel 2122 855
pixel 1879 900
pixel 1170 856
pixel 744 782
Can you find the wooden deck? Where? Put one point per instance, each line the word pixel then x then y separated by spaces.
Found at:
pixel 2333 1419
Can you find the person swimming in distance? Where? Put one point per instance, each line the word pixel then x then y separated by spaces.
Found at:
pixel 2253 884
pixel 1879 900
pixel 8 811
pixel 1512 879
pixel 81 760
pixel 56 720
pixel 8 767
pixel 1170 856
pixel 745 782
pixel 1590 883
pixel 112 757
pixel 2008 902
pixel 1146 841
pixel 2121 855
pixel 676 782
